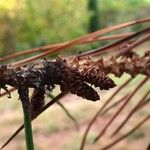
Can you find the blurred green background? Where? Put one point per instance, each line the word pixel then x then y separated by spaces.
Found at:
pixel 26 24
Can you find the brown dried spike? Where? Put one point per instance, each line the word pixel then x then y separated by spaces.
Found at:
pixel 71 80
pixel 85 91
pixel 93 75
pixel 37 101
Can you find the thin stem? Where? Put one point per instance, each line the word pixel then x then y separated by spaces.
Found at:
pixel 126 134
pixel 28 129
pixel 136 108
pixel 49 47
pixel 80 40
pixel 24 96
pixel 100 111
pixel 66 111
pixel 114 104
pixel 120 109
pixel 115 45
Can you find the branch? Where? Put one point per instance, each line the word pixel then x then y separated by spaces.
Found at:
pixel 67 112
pixel 100 110
pixel 120 109
pixel 137 106
pixel 126 135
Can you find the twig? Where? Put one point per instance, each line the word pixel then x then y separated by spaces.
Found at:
pixel 114 104
pixel 130 114
pixel 120 109
pixel 66 112
pixel 100 110
pixel 79 40
pixel 99 51
pixel 126 135
pixel 69 115
pixel 48 47
pixel 133 45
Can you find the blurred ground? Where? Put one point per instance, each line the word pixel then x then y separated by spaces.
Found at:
pixel 54 130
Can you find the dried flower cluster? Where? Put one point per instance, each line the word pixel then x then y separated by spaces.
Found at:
pixel 37 101
pixel 95 76
pixel 73 75
pixel 58 72
pixel 69 79
pixel 130 63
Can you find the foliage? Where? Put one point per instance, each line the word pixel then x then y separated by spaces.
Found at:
pixel 27 24
pixel 115 11
pixel 38 23
pixel 94 21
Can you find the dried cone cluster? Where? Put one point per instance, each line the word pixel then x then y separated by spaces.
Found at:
pixel 73 76
pixel 131 63
pixel 95 76
pixel 37 101
pixel 70 80
pixel 58 72
pixel 96 71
